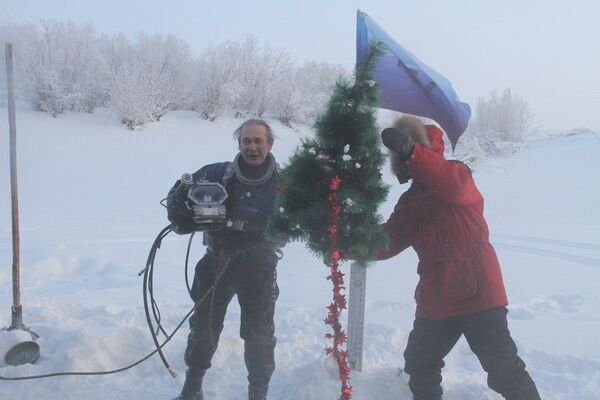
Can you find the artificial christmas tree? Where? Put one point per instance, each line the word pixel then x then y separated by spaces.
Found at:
pixel 331 189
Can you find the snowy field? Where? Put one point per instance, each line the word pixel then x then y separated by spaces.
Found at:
pixel 89 206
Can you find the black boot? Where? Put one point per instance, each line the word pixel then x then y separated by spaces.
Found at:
pixel 257 392
pixel 192 387
pixel 260 361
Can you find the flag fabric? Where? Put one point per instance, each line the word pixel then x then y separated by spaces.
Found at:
pixel 409 86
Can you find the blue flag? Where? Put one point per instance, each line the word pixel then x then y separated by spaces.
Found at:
pixel 408 85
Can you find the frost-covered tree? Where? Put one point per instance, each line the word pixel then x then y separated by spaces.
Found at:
pixel 148 77
pixel 64 66
pixel 271 64
pixel 20 36
pixel 257 68
pixel 288 98
pixel 166 62
pixel 130 95
pixel 318 81
pixel 252 79
pixel 507 115
pixel 301 94
pixel 214 79
pixel 245 75
pixel 95 85
pixel 60 63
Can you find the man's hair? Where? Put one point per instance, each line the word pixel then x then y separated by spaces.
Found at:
pixel 252 122
pixel 414 128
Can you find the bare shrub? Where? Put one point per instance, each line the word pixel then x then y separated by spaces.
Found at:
pixel 507 115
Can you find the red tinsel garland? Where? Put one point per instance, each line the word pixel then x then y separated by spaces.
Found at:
pixel 339 300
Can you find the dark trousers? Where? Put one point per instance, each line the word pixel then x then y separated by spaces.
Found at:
pixel 252 276
pixel 488 337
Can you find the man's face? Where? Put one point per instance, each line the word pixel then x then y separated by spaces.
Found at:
pixel 254 144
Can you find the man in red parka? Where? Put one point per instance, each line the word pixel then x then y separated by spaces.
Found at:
pixel 460 290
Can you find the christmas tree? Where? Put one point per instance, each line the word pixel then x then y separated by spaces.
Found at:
pixel 331 189
pixel 346 146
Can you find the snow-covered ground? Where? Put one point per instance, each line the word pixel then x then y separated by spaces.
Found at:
pixel 89 206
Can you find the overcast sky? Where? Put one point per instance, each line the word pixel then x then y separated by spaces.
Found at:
pixel 546 50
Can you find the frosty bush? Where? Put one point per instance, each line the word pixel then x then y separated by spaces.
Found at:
pixel 20 36
pixel 147 78
pixel 507 115
pixel 287 98
pixel 130 91
pixel 61 68
pixel 300 95
pixel 472 149
pixel 251 79
pixel 213 80
pixel 318 80
pixel 257 69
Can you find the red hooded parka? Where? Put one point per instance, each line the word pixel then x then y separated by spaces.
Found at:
pixel 441 217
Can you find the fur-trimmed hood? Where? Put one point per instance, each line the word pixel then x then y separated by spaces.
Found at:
pixel 429 136
pixel 413 127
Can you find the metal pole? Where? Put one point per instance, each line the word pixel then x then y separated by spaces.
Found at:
pixel 356 316
pixel 17 316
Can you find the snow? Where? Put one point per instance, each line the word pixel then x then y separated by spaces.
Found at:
pixel 89 193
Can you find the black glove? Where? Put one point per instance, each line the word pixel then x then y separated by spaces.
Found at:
pixel 181 217
pixel 399 142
